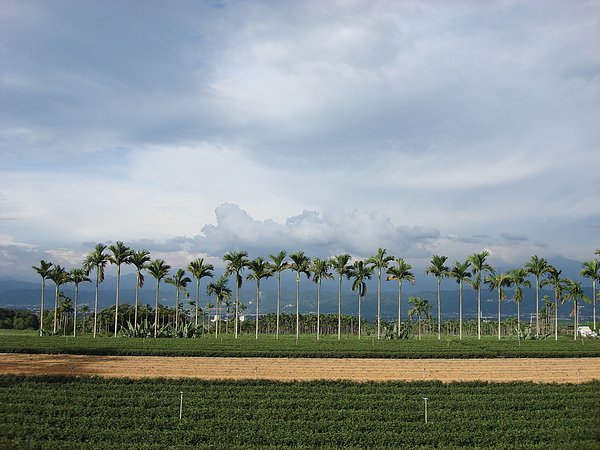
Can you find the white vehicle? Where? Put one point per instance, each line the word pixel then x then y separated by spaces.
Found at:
pixel 586 332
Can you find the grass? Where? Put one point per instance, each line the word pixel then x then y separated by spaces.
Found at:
pixel 306 346
pixel 89 413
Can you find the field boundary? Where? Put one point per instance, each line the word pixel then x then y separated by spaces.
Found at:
pixel 539 370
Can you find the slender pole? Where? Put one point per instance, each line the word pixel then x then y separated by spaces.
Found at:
pixel 425 398
pixel 180 404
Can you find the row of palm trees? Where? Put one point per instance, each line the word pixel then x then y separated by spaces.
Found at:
pixel 474 271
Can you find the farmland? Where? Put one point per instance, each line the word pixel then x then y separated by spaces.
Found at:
pixel 306 347
pixel 111 413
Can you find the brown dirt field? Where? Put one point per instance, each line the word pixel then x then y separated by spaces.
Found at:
pixel 550 370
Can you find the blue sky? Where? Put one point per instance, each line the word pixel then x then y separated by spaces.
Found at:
pixel 195 128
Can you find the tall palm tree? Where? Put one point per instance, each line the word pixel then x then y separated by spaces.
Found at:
pixel 84 310
pixel 65 307
pixel 553 279
pixel 179 280
pixel 479 267
pixel 361 272
pixel 498 281
pixel 400 273
pixel 537 267
pixel 518 279
pixel 96 260
pixel 379 261
pixel 236 263
pixel 591 269
pixel 300 264
pixel 77 277
pixel 574 292
pixel 43 271
pixel 278 265
pixel 340 265
pixel 158 269
pixel 438 270
pixel 199 269
pixel 320 269
pixel 460 272
pixel 222 292
pixel 140 260
pixel 259 269
pixel 420 308
pixel 60 276
pixel 121 254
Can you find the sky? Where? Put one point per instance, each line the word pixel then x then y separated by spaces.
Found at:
pixel 193 128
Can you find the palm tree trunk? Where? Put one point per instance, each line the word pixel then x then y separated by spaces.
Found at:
pixel 156 309
pixel 237 297
pixel 318 308
pixel 399 304
pixel 96 305
pixel 537 306
pixel 555 316
pixel 75 310
pixel 137 293
pixel 197 301
pixel 379 304
pixel 479 312
pixel 42 307
pixel 439 305
pixel 117 298
pixel 340 308
pixel 460 314
pixel 575 319
pixel 278 300
pixel 359 316
pixel 55 309
pixel 257 300
pixel 297 305
pixel 176 308
pixel 499 301
pixel 594 301
pixel 519 319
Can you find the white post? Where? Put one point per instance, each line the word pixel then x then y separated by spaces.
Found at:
pixel 425 398
pixel 180 404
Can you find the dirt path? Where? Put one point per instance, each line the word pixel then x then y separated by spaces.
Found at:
pixel 559 370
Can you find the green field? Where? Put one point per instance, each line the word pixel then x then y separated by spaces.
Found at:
pixel 306 346
pixel 54 412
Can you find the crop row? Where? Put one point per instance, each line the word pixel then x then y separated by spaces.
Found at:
pixel 99 413
pixel 306 346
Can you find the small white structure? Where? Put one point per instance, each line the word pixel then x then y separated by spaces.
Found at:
pixel 586 332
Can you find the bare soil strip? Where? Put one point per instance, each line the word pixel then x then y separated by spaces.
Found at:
pixel 550 370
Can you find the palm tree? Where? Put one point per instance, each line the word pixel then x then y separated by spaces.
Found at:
pixel 320 269
pixel 65 307
pixel 300 264
pixel 574 292
pixel 220 290
pixel 340 265
pixel 199 270
pixel 421 307
pixel 77 277
pixel 591 269
pixel 259 269
pixel 60 276
pixel 236 262
pixel 379 261
pixel 537 266
pixel 179 281
pixel 438 270
pixel 43 271
pixel 553 279
pixel 360 272
pixel 97 260
pixel 140 260
pixel 121 254
pixel 460 272
pixel 400 273
pixel 498 281
pixel 518 279
pixel 279 265
pixel 158 269
pixel 479 266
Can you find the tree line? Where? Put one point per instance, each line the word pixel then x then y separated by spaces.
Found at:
pixel 474 272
